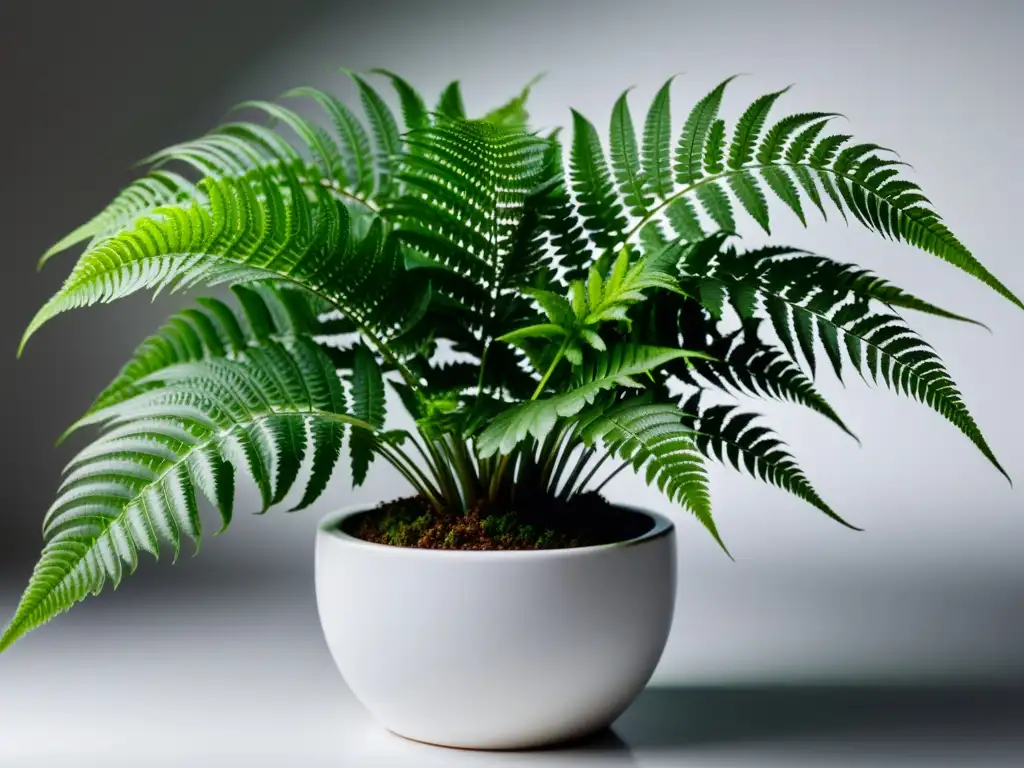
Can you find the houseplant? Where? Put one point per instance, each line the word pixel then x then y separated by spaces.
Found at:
pixel 544 323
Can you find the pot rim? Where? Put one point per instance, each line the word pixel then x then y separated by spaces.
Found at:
pixel 330 527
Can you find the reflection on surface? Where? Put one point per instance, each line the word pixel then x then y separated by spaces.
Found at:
pixel 905 720
pixel 767 725
pixel 384 748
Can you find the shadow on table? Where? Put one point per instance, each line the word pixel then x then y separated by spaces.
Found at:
pixel 675 717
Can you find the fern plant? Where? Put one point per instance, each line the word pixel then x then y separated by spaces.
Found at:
pixel 547 313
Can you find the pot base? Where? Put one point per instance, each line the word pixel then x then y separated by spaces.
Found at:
pixel 496 650
pixel 590 737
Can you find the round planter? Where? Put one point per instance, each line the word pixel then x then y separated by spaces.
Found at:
pixel 500 649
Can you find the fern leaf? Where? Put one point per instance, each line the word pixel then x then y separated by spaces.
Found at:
pixel 725 433
pixel 684 220
pixel 747 191
pixel 468 187
pixel 908 366
pixel 626 159
pixel 748 130
pixel 140 197
pixel 354 143
pixel 695 136
pixel 652 439
pixel 367 406
pixel 657 156
pixel 716 204
pixel 512 114
pixel 414 110
pixel 325 152
pixel 607 371
pixel 775 139
pixel 385 133
pixel 193 334
pixel 817 298
pixel 243 229
pixel 450 104
pixel 557 216
pixel 136 485
pixel 599 206
pixel 714 152
pixel 755 368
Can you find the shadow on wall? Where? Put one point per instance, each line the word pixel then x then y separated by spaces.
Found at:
pixel 926 717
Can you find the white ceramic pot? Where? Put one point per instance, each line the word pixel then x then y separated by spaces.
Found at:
pixel 499 649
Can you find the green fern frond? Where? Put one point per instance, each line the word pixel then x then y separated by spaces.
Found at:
pixel 606 370
pixel 653 440
pixel 557 217
pixel 599 205
pixel 156 189
pixel 468 184
pixel 388 143
pixel 512 114
pixel 810 298
pixel 657 158
pixel 269 312
pixel 450 104
pixel 731 436
pixel 414 109
pixel 353 141
pixel 790 160
pixel 599 300
pixel 324 151
pixel 367 406
pixel 256 227
pixel 135 487
pixel 745 364
pixel 694 138
pixel 626 159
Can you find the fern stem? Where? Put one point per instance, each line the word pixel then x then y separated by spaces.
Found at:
pixel 566 446
pixel 483 365
pixel 610 477
pixel 396 456
pixel 549 451
pixel 568 490
pixel 551 368
pixel 446 478
pixel 499 473
pixel 435 465
pixel 593 471
pixel 646 218
pixel 463 469
pixel 335 187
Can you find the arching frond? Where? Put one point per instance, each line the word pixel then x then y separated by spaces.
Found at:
pixel 268 312
pixel 467 185
pixel 141 196
pixel 250 229
pixel 788 159
pixel 653 440
pixel 607 370
pixel 135 488
pixel 811 299
pixel 367 406
pixel 725 433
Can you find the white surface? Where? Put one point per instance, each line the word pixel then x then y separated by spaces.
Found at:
pixel 242 677
pixel 495 650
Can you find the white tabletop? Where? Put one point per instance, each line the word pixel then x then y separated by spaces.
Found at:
pixel 241 676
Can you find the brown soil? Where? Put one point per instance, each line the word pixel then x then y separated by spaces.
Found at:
pixel 585 520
